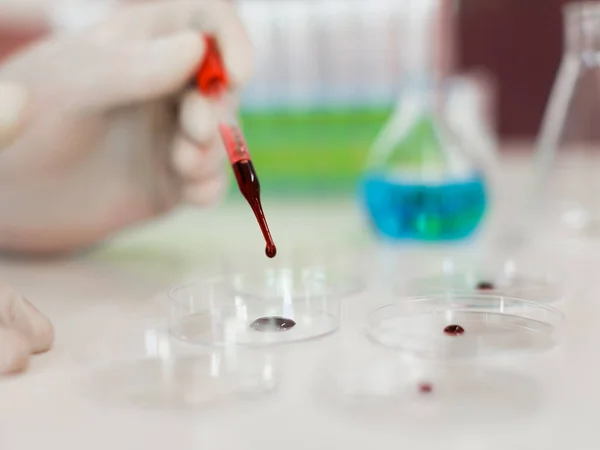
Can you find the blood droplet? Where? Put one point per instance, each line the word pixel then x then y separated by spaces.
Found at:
pixel 454 330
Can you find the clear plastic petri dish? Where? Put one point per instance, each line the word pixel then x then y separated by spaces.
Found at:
pixel 185 382
pixel 386 391
pixel 124 340
pixel 465 326
pixel 505 279
pixel 142 365
pixel 268 308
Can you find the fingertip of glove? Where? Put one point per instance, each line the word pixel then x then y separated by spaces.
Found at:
pixel 207 192
pixel 186 48
pixel 42 337
pixel 197 118
pixel 14 351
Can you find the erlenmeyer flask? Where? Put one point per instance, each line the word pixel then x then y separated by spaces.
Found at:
pixel 423 180
pixel 567 188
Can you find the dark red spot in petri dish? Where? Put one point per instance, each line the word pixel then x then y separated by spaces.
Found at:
pixel 454 330
pixel 270 324
pixel 425 388
pixel 485 286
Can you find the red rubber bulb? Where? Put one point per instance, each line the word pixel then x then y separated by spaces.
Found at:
pixel 212 78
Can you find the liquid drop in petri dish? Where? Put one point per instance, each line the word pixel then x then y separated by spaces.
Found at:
pixel 425 388
pixel 485 286
pixel 454 330
pixel 271 324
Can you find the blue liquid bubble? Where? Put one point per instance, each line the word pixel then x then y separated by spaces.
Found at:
pixel 427 212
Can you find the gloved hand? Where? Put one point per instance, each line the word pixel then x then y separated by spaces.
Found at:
pixel 113 133
pixel 23 331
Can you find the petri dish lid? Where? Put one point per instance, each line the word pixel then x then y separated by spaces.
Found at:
pixel 340 273
pixel 465 326
pixel 220 311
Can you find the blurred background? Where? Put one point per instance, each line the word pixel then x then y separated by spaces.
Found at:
pixel 329 73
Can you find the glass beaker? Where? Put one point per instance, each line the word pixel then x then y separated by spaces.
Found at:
pixel 567 188
pixel 424 179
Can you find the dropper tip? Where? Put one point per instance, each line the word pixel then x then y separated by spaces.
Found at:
pixel 271 251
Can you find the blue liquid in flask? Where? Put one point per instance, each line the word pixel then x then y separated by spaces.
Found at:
pixel 441 211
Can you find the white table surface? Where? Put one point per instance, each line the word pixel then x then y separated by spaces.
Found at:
pixel 110 294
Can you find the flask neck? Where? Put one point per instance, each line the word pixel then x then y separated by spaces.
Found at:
pixel 582 27
pixel 429 38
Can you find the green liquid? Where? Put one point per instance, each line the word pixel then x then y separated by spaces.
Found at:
pixel 311 152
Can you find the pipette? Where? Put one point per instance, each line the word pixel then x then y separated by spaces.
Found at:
pixel 212 81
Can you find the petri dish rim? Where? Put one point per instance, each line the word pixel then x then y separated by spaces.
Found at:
pixel 483 298
pixel 171 293
pixel 227 282
pixel 536 284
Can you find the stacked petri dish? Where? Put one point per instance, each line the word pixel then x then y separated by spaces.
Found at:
pixel 221 340
pixel 465 342
pixel 256 302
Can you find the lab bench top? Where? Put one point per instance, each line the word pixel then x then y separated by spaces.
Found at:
pixel 99 301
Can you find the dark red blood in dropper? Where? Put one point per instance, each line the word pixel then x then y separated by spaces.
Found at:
pixel 250 189
pixel 454 330
pixel 212 80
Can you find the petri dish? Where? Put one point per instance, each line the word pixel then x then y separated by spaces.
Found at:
pixel 503 280
pixel 202 380
pixel 126 339
pixel 187 381
pixel 465 326
pixel 385 391
pixel 140 364
pixel 268 308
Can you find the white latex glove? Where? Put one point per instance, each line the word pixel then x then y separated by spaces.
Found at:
pixel 114 134
pixel 13 106
pixel 23 331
